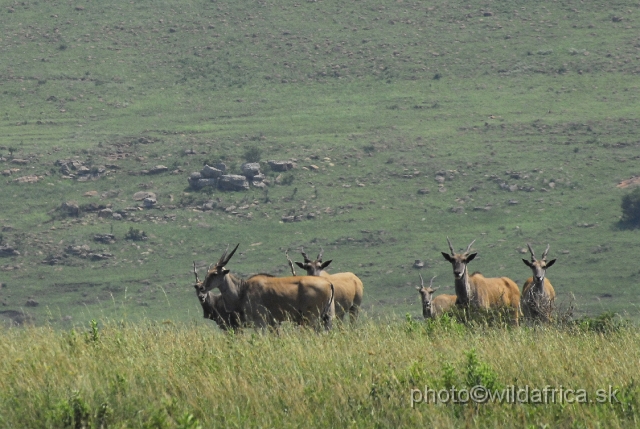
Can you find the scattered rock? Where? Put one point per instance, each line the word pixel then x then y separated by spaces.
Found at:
pixel 83 171
pixel 250 169
pixel 423 191
pixel 91 194
pixel 201 183
pixel 418 264
pixel 141 195
pixel 233 182
pixel 32 303
pixel 27 179
pixel 20 161
pixel 210 172
pixel 105 238
pixel 149 202
pixel 81 250
pixel 99 256
pixel 70 208
pixel 158 169
pixel 105 213
pixel 280 165
pixel 7 251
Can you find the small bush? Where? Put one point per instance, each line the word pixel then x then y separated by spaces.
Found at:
pixel 604 323
pixel 135 235
pixel 253 154
pixel 631 208
pixel 287 179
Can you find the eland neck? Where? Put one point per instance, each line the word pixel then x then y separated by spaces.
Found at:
pixel 463 287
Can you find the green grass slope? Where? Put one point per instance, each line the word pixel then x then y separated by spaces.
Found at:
pixel 502 122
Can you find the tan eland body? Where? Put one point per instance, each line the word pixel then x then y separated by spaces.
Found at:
pixel 264 300
pixel 349 289
pixel 479 291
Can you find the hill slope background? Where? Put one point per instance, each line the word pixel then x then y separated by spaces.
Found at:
pixel 491 121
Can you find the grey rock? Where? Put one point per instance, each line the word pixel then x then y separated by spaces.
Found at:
pixel 280 165
pixel 105 238
pixel 158 169
pixel 105 213
pixel 250 169
pixel 149 202
pixel 211 172
pixel 139 196
pixel 233 182
pixel 71 208
pixel 6 251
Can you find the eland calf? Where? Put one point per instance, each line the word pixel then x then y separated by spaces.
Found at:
pixel 434 307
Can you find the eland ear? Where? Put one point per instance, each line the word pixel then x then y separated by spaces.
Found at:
pixel 447 257
pixel 225 271
pixel 550 263
pixel 418 288
pixel 326 264
pixel 527 263
pixel 301 265
pixel 470 257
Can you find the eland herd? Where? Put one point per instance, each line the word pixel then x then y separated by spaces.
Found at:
pixel 315 299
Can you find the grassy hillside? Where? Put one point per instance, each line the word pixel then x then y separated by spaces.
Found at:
pixel 497 121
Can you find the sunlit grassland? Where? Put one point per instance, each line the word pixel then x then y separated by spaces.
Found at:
pixel 166 375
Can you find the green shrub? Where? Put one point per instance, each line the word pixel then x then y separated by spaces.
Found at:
pixel 252 154
pixel 631 208
pixel 135 235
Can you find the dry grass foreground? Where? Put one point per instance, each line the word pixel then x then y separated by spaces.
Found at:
pixel 189 376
